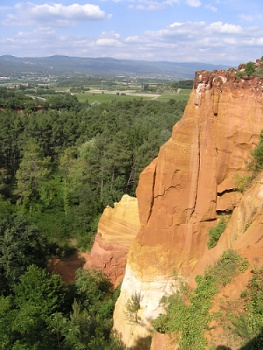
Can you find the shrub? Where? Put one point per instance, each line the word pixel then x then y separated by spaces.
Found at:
pixel 240 74
pixel 250 68
pixel 241 182
pixel 257 162
pixel 248 324
pixel 132 308
pixel 215 233
pixel 187 312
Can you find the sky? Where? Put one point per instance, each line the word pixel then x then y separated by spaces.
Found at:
pixel 210 31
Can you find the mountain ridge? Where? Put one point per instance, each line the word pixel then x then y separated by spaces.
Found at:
pixel 70 65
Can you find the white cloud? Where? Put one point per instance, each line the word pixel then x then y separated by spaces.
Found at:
pixel 225 28
pixel 197 41
pixel 247 17
pixel 149 5
pixel 230 41
pixel 133 39
pixel 154 5
pixel 255 17
pixel 193 3
pixel 138 39
pixel 179 41
pixel 180 31
pixel 109 39
pixel 107 42
pixel 211 8
pixel 55 13
pixel 254 42
pixel 176 24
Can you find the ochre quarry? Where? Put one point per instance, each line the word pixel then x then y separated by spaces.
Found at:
pixel 181 193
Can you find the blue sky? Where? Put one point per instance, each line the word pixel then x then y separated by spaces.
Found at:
pixel 213 31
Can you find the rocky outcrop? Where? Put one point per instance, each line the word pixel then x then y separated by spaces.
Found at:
pixel 243 232
pixel 117 228
pixel 182 191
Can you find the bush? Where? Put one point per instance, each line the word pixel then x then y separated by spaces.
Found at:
pixel 257 163
pixel 241 182
pixel 248 324
pixel 215 233
pixel 187 312
pixel 132 308
pixel 250 68
pixel 240 74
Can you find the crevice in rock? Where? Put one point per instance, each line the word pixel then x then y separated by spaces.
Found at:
pixel 152 201
pixel 229 190
pixel 224 212
pixel 198 170
pixel 209 220
pixel 166 190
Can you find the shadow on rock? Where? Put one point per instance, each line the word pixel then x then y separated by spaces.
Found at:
pixel 142 344
pixel 254 344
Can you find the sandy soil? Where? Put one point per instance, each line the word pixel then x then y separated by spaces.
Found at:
pixel 67 268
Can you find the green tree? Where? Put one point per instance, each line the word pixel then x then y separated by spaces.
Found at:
pixel 37 296
pixel 37 287
pixel 97 297
pixel 250 68
pixel 6 320
pixel 33 170
pixel 11 139
pixel 21 244
pixel 81 319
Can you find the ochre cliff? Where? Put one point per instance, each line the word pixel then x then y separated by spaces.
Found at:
pixel 181 193
pixel 117 228
pixel 243 234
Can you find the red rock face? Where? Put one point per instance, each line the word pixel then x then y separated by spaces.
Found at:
pixel 182 191
pixel 117 228
pixel 243 232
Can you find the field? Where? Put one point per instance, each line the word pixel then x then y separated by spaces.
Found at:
pixel 101 96
pixel 96 90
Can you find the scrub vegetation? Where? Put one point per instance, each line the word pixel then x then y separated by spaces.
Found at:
pixel 188 312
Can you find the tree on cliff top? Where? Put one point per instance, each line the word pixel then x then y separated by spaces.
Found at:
pixel 250 68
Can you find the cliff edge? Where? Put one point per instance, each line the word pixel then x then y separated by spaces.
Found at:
pixel 181 193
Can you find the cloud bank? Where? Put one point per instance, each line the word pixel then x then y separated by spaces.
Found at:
pixel 56 13
pixel 170 30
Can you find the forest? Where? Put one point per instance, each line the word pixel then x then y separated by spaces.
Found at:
pixel 61 163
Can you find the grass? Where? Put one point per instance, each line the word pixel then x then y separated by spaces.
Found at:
pixel 183 95
pixel 101 97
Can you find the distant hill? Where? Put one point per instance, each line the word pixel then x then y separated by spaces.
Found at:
pixel 71 66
